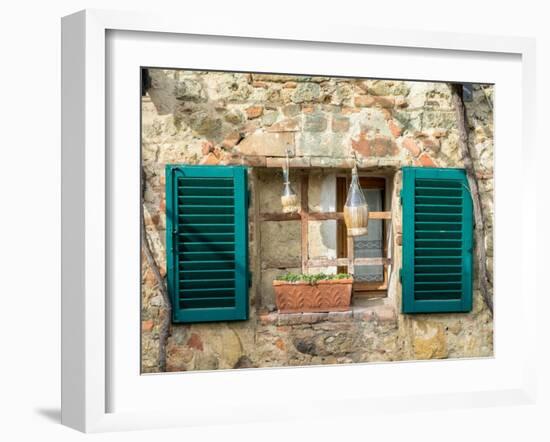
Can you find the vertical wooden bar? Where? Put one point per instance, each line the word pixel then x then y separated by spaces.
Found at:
pixel 304 212
pixel 351 256
pixel 341 231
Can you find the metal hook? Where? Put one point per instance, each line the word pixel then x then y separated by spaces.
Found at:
pixel 354 168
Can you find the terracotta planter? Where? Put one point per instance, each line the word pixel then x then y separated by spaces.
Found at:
pixel 331 295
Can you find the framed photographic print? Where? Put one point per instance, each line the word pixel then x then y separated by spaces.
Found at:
pixel 269 222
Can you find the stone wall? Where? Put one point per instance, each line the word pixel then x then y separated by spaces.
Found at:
pixel 198 117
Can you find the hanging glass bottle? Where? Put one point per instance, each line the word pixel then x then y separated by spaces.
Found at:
pixel 289 199
pixel 356 210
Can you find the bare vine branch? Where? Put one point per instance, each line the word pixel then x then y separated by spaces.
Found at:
pixel 164 330
pixel 462 119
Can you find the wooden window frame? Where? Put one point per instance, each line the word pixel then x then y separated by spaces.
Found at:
pixel 345 262
pixel 345 243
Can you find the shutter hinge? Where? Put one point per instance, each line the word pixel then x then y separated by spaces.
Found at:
pixel 249 279
pixel 401 276
pixel 401 196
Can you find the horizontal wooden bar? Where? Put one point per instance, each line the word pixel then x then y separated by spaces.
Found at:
pixel 325 262
pixel 379 215
pixel 329 262
pixel 317 216
pixel 322 216
pixel 280 217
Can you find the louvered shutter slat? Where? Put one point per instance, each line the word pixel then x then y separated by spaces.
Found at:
pixel 207 242
pixel 437 241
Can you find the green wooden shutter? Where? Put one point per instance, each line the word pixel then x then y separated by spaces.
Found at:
pixel 206 242
pixel 437 241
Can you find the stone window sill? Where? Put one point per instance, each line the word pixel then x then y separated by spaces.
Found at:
pixel 379 313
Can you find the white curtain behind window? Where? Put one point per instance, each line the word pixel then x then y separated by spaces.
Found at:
pixel 371 245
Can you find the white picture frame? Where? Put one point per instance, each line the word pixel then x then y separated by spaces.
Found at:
pixel 91 362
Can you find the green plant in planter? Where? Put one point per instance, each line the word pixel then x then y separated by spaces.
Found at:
pixel 312 279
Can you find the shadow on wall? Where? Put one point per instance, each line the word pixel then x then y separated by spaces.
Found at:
pixel 185 95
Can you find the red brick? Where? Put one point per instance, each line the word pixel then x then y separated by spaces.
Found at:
pixel 261 84
pixel 207 147
pixel 286 125
pixel 340 124
pixel 395 128
pixel 147 326
pixel 379 146
pixel 364 101
pixel 425 160
pixel 346 110
pixel 412 146
pixel 149 278
pixel 254 111
pixel 231 140
pixel 195 342
pixel 432 143
pixel 385 102
pixel 369 101
pixel 268 318
pixel 210 159
pixel 280 344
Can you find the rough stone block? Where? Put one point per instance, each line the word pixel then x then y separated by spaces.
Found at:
pixel 269 318
pixel 231 140
pixel 305 92
pixel 269 118
pixel 316 122
pixel 189 89
pixel 338 163
pixel 364 101
pixel 340 316
pixel 273 144
pixel 291 110
pixel 293 162
pixel 340 123
pixel 377 146
pixel 254 111
pixel 286 125
pixel 429 340
pixel 387 87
